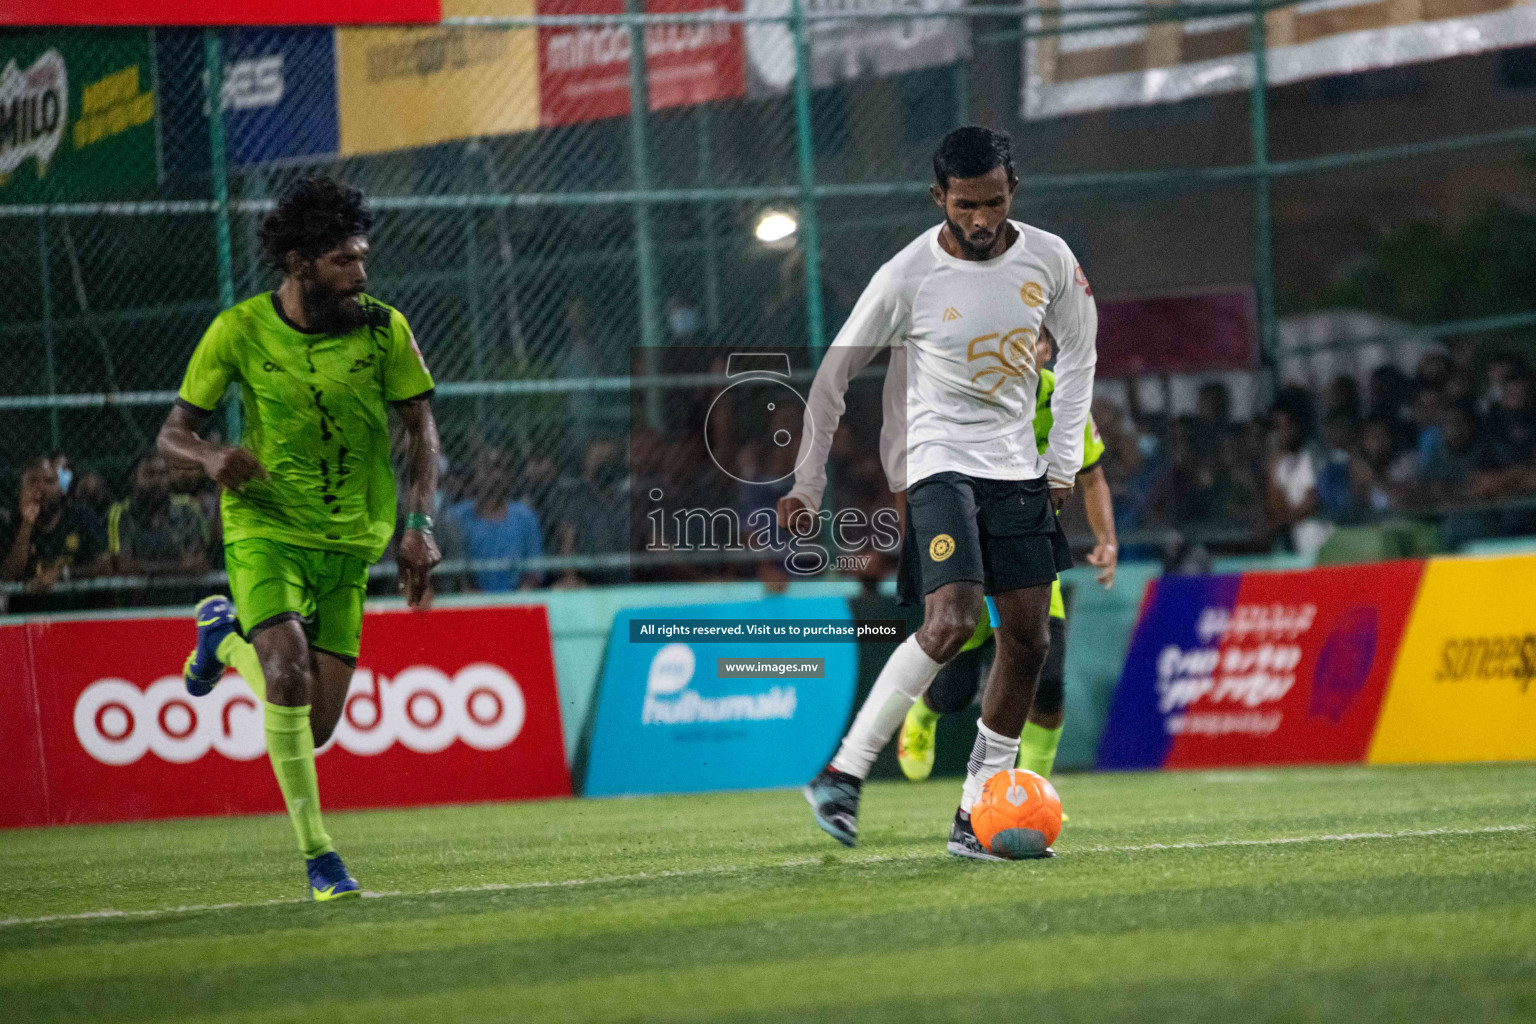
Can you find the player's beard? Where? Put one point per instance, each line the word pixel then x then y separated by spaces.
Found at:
pixel 328 311
pixel 969 249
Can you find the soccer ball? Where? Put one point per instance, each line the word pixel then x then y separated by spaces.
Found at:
pixel 1018 814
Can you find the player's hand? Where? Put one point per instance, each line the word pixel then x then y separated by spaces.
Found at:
pixel 233 467
pixel 1104 558
pixel 31 506
pixel 1059 496
pixel 418 556
pixel 797 517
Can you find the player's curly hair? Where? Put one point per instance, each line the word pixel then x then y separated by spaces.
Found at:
pixel 970 152
pixel 313 216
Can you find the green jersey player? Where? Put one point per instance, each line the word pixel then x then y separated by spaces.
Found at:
pixel 957 682
pixel 309 495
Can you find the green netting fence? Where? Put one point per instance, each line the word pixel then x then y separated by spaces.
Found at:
pixel 559 221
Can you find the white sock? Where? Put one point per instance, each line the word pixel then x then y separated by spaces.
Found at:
pixel 904 679
pixel 992 753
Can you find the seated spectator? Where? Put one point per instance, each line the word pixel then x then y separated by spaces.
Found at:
pixel 90 489
pixel 1460 466
pixel 151 534
pixel 1187 488
pixel 54 538
pixel 1379 476
pixel 1342 396
pixel 1335 495
pixel 591 514
pixel 496 527
pixel 1290 498
pixel 1213 418
pixel 1511 422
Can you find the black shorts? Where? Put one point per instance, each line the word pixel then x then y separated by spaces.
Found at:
pixel 1002 534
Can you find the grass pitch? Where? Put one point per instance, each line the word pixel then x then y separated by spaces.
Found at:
pixel 1318 894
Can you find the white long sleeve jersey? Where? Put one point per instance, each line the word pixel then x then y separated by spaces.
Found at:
pixel 960 393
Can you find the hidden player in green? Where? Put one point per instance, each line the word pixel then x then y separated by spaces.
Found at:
pixel 309 497
pixel 957 682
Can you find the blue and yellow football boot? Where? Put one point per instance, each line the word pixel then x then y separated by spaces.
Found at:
pixel 215 621
pixel 328 879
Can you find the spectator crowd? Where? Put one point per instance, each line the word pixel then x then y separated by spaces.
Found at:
pixel 1453 441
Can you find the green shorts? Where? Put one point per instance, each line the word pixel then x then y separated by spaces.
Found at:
pixel 272 582
pixel 984 627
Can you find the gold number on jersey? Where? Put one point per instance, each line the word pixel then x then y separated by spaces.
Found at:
pixel 1015 355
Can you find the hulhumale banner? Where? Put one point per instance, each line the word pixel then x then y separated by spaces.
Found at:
pixel 685 717
pixel 1259 668
pixel 446 706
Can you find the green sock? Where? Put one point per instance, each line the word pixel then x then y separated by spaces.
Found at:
pixel 924 714
pixel 291 748
pixel 1037 749
pixel 236 652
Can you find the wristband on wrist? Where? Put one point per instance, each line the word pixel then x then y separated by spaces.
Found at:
pixel 419 521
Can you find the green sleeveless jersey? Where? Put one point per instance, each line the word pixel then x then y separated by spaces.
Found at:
pixel 1093 444
pixel 316 410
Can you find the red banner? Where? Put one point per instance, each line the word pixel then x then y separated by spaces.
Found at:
pixel 1300 665
pixel 1177 334
pixel 584 70
pixel 445 707
pixel 225 12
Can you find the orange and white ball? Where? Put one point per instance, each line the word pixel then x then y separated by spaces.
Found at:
pixel 1018 814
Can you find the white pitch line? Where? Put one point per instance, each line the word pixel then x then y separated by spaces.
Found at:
pixel 647 876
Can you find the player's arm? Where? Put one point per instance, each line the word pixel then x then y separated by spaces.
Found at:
pixel 1101 519
pixel 209 372
pixel 408 386
pixel 877 319
pixel 1073 321
pixel 228 465
pixel 418 550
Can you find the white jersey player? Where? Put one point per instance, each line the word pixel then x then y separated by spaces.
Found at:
pixel 962 306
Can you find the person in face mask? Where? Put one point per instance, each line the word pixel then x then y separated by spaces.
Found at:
pixel 149 532
pixel 54 536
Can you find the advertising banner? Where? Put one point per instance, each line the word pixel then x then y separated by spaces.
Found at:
pixel 77 115
pixel 218 12
pixel 584 70
pixel 279 97
pixel 1178 334
pixel 1122 66
pixel 845 50
pixel 279 94
pixel 670 719
pixel 445 707
pixel 408 87
pixel 1259 668
pixel 1462 688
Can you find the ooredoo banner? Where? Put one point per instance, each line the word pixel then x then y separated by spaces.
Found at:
pixel 669 720
pixel 445 707
pixel 1462 688
pixel 1259 668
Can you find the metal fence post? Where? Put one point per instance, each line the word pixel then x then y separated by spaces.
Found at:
pixel 645 255
pixel 213 57
pixel 1263 215
pixel 810 234
pixel 45 279
pixel 708 218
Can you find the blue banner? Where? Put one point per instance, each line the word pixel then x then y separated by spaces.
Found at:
pixel 666 724
pixel 279 96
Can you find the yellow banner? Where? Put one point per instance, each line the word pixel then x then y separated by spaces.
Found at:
pixel 1461 690
pixel 404 87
